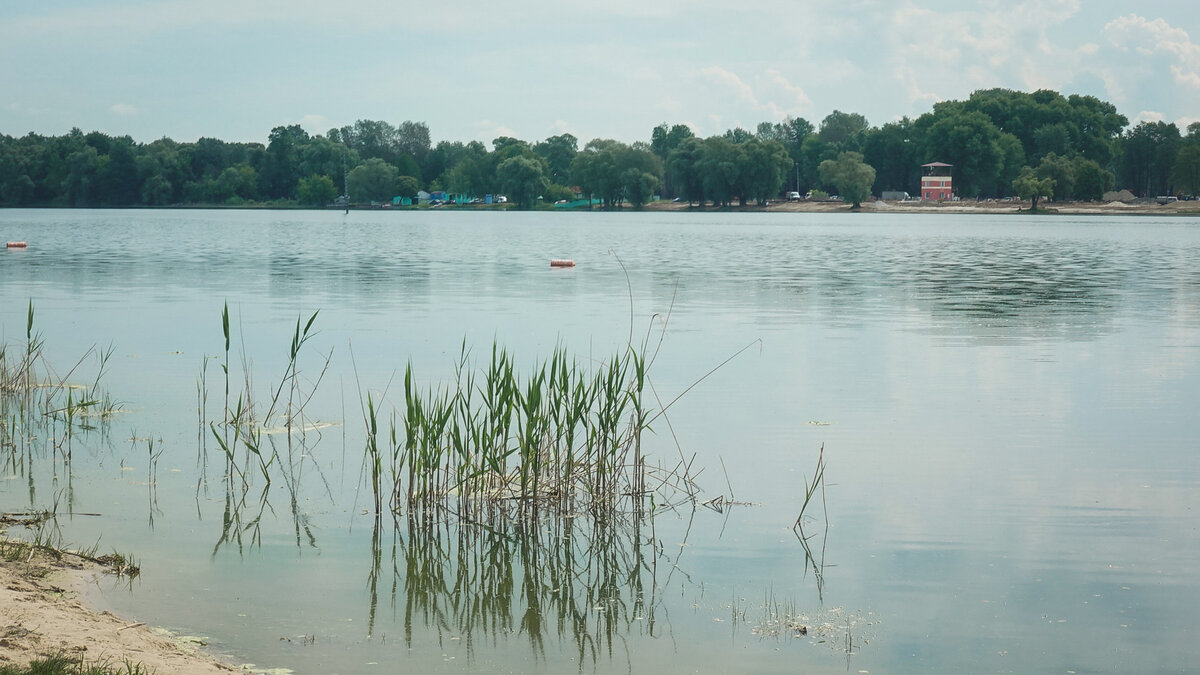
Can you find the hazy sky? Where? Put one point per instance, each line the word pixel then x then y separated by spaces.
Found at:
pixel 475 70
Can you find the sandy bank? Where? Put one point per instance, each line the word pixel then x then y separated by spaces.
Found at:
pixel 41 614
pixel 1191 208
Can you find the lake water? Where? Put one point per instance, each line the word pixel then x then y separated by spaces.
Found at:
pixel 1007 407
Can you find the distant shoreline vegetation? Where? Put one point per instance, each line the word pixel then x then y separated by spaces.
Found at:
pixel 1000 143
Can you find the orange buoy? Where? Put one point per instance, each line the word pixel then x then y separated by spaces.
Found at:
pixel 562 262
pixel 21 244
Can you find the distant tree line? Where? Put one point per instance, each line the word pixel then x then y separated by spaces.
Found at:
pixel 1001 142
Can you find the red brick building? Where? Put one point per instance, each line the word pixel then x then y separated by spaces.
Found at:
pixel 936 181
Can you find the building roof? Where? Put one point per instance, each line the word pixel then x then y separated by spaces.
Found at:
pixel 936 164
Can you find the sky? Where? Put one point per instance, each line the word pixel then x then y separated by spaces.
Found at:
pixel 476 70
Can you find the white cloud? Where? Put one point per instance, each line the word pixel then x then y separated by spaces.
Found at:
pixel 947 54
pixel 1157 37
pixel 1147 116
pixel 487 131
pixel 726 80
pixel 775 79
pixel 315 124
pixel 1184 122
pixel 22 109
pixel 771 92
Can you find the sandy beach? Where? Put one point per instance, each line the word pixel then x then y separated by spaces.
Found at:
pixel 1188 208
pixel 42 613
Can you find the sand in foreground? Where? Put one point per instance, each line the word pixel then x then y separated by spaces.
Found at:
pixel 41 614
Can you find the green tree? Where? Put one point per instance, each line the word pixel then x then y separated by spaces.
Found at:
pixel 852 177
pixel 969 141
pixel 1097 124
pixel 162 170
pixel 683 170
pixel 1053 138
pixel 1147 155
pixel 638 186
pixel 738 135
pixel 322 157
pixel 373 181
pixel 767 167
pixel 117 178
pixel 599 169
pixel 470 174
pixel 894 153
pixel 236 183
pixel 522 179
pixel 412 139
pixel 844 131
pixel 1062 170
pixel 791 132
pixel 157 191
pixel 557 152
pixel 442 159
pixel 505 148
pixel 281 170
pixel 720 164
pixel 1029 186
pixel 813 151
pixel 21 163
pixel 556 192
pixel 407 186
pixel 316 190
pixel 1185 172
pixel 79 187
pixel 664 139
pixel 17 191
pixel 371 139
pixel 1012 159
pixel 1091 180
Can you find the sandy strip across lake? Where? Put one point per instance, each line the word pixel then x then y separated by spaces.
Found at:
pixel 1178 208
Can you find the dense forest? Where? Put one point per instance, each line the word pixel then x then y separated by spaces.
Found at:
pixel 1078 147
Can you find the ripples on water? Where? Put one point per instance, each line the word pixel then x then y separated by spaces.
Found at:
pixel 1007 406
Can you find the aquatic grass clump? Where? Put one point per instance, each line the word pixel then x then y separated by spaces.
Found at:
pixel 17 374
pixel 563 434
pixel 262 442
pixel 243 424
pixel 36 402
pixel 73 665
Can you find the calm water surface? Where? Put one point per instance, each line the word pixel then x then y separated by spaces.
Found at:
pixel 1007 407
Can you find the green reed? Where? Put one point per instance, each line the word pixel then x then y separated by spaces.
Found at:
pixel 242 426
pixel 35 398
pixel 560 434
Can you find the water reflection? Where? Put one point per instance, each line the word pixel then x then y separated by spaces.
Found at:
pixel 247 496
pixel 261 441
pixel 960 271
pixel 960 450
pixel 44 415
pixel 581 580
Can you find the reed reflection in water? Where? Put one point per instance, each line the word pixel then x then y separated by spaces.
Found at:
pixel 588 581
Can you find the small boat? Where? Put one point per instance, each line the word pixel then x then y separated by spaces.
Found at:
pixel 562 262
pixel 21 244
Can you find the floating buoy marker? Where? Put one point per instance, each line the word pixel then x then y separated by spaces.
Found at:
pixel 562 262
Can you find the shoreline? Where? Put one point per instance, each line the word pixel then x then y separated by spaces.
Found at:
pixel 961 207
pixel 1179 208
pixel 43 612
